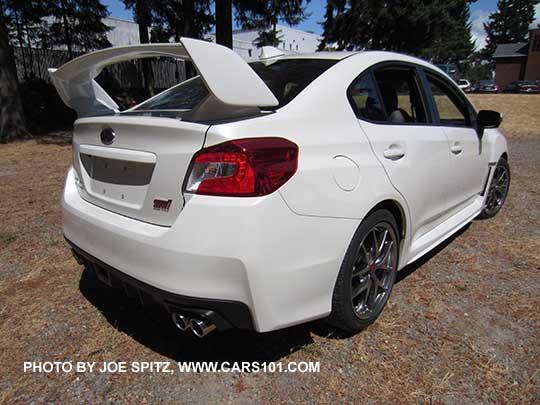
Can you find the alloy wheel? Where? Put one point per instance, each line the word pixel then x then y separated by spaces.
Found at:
pixel 374 271
pixel 498 189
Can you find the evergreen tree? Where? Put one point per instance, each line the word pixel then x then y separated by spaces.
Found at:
pixel 142 13
pixel 438 30
pixel 509 24
pixel 78 25
pixel 454 44
pixel 328 24
pixel 27 28
pixel 224 23
pixel 182 18
pixel 264 15
pixel 12 123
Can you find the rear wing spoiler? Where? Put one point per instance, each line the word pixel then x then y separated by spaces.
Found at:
pixel 226 75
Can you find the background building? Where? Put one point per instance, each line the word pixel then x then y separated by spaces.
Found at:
pixel 124 32
pixel 520 61
pixel 292 41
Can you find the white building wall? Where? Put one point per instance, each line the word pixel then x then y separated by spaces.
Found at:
pixel 292 40
pixel 122 32
pixel 125 32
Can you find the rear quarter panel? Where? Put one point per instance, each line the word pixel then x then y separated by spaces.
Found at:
pixel 338 175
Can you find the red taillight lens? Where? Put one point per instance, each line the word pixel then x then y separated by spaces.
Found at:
pixel 243 167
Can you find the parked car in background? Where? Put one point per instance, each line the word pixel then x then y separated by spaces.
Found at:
pixel 242 198
pixel 486 86
pixel 464 85
pixel 450 69
pixel 523 87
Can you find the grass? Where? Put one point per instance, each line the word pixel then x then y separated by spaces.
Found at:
pixel 462 327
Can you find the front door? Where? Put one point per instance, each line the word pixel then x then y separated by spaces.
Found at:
pixel 414 154
pixel 468 157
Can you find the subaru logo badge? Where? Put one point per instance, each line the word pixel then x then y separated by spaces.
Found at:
pixel 107 136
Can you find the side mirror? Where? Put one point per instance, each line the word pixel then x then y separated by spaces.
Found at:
pixel 487 119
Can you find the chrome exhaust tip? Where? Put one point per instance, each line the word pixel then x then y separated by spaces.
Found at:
pixel 182 322
pixel 201 328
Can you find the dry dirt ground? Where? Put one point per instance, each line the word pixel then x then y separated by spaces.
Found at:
pixel 462 326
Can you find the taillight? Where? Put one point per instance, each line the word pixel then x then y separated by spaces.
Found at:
pixel 242 167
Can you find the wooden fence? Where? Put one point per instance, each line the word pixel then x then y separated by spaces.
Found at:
pixel 32 63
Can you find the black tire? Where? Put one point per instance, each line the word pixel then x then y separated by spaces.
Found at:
pixel 359 268
pixel 497 191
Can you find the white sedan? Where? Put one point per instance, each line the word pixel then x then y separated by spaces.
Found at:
pixel 266 195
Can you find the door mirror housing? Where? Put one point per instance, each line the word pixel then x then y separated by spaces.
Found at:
pixel 487 119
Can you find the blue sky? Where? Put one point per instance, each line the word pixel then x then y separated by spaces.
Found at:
pixel 480 11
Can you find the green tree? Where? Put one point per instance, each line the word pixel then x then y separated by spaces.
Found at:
pixel 142 14
pixel 78 24
pixel 264 15
pixel 182 18
pixel 12 124
pixel 508 24
pixel 224 23
pixel 28 29
pixel 438 30
pixel 454 44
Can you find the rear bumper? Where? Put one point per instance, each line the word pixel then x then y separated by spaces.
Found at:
pixel 224 314
pixel 253 251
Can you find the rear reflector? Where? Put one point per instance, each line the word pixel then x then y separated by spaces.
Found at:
pixel 243 167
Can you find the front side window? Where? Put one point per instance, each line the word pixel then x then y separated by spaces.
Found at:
pixel 451 107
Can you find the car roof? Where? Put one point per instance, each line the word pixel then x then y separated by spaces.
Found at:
pixel 332 55
pixel 370 55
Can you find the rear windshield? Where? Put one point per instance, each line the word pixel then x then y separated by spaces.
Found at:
pixel 285 78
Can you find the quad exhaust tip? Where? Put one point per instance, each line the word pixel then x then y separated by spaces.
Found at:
pixel 181 321
pixel 199 327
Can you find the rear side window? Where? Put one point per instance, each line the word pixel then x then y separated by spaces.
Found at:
pixel 390 95
pixel 365 100
pixel 288 77
pixel 451 107
pixel 400 94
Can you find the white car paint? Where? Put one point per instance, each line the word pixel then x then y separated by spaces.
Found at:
pixel 233 83
pixel 464 84
pixel 279 254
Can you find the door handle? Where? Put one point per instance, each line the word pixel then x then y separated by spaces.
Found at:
pixel 456 148
pixel 394 152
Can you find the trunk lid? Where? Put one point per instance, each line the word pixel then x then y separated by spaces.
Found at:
pixel 140 173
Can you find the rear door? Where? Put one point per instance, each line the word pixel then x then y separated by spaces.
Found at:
pixel 392 111
pixel 468 157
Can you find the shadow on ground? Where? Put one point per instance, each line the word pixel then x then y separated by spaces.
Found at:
pixel 152 327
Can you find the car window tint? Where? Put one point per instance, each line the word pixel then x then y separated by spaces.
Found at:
pixel 365 100
pixel 452 109
pixel 285 78
pixel 184 96
pixel 401 95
